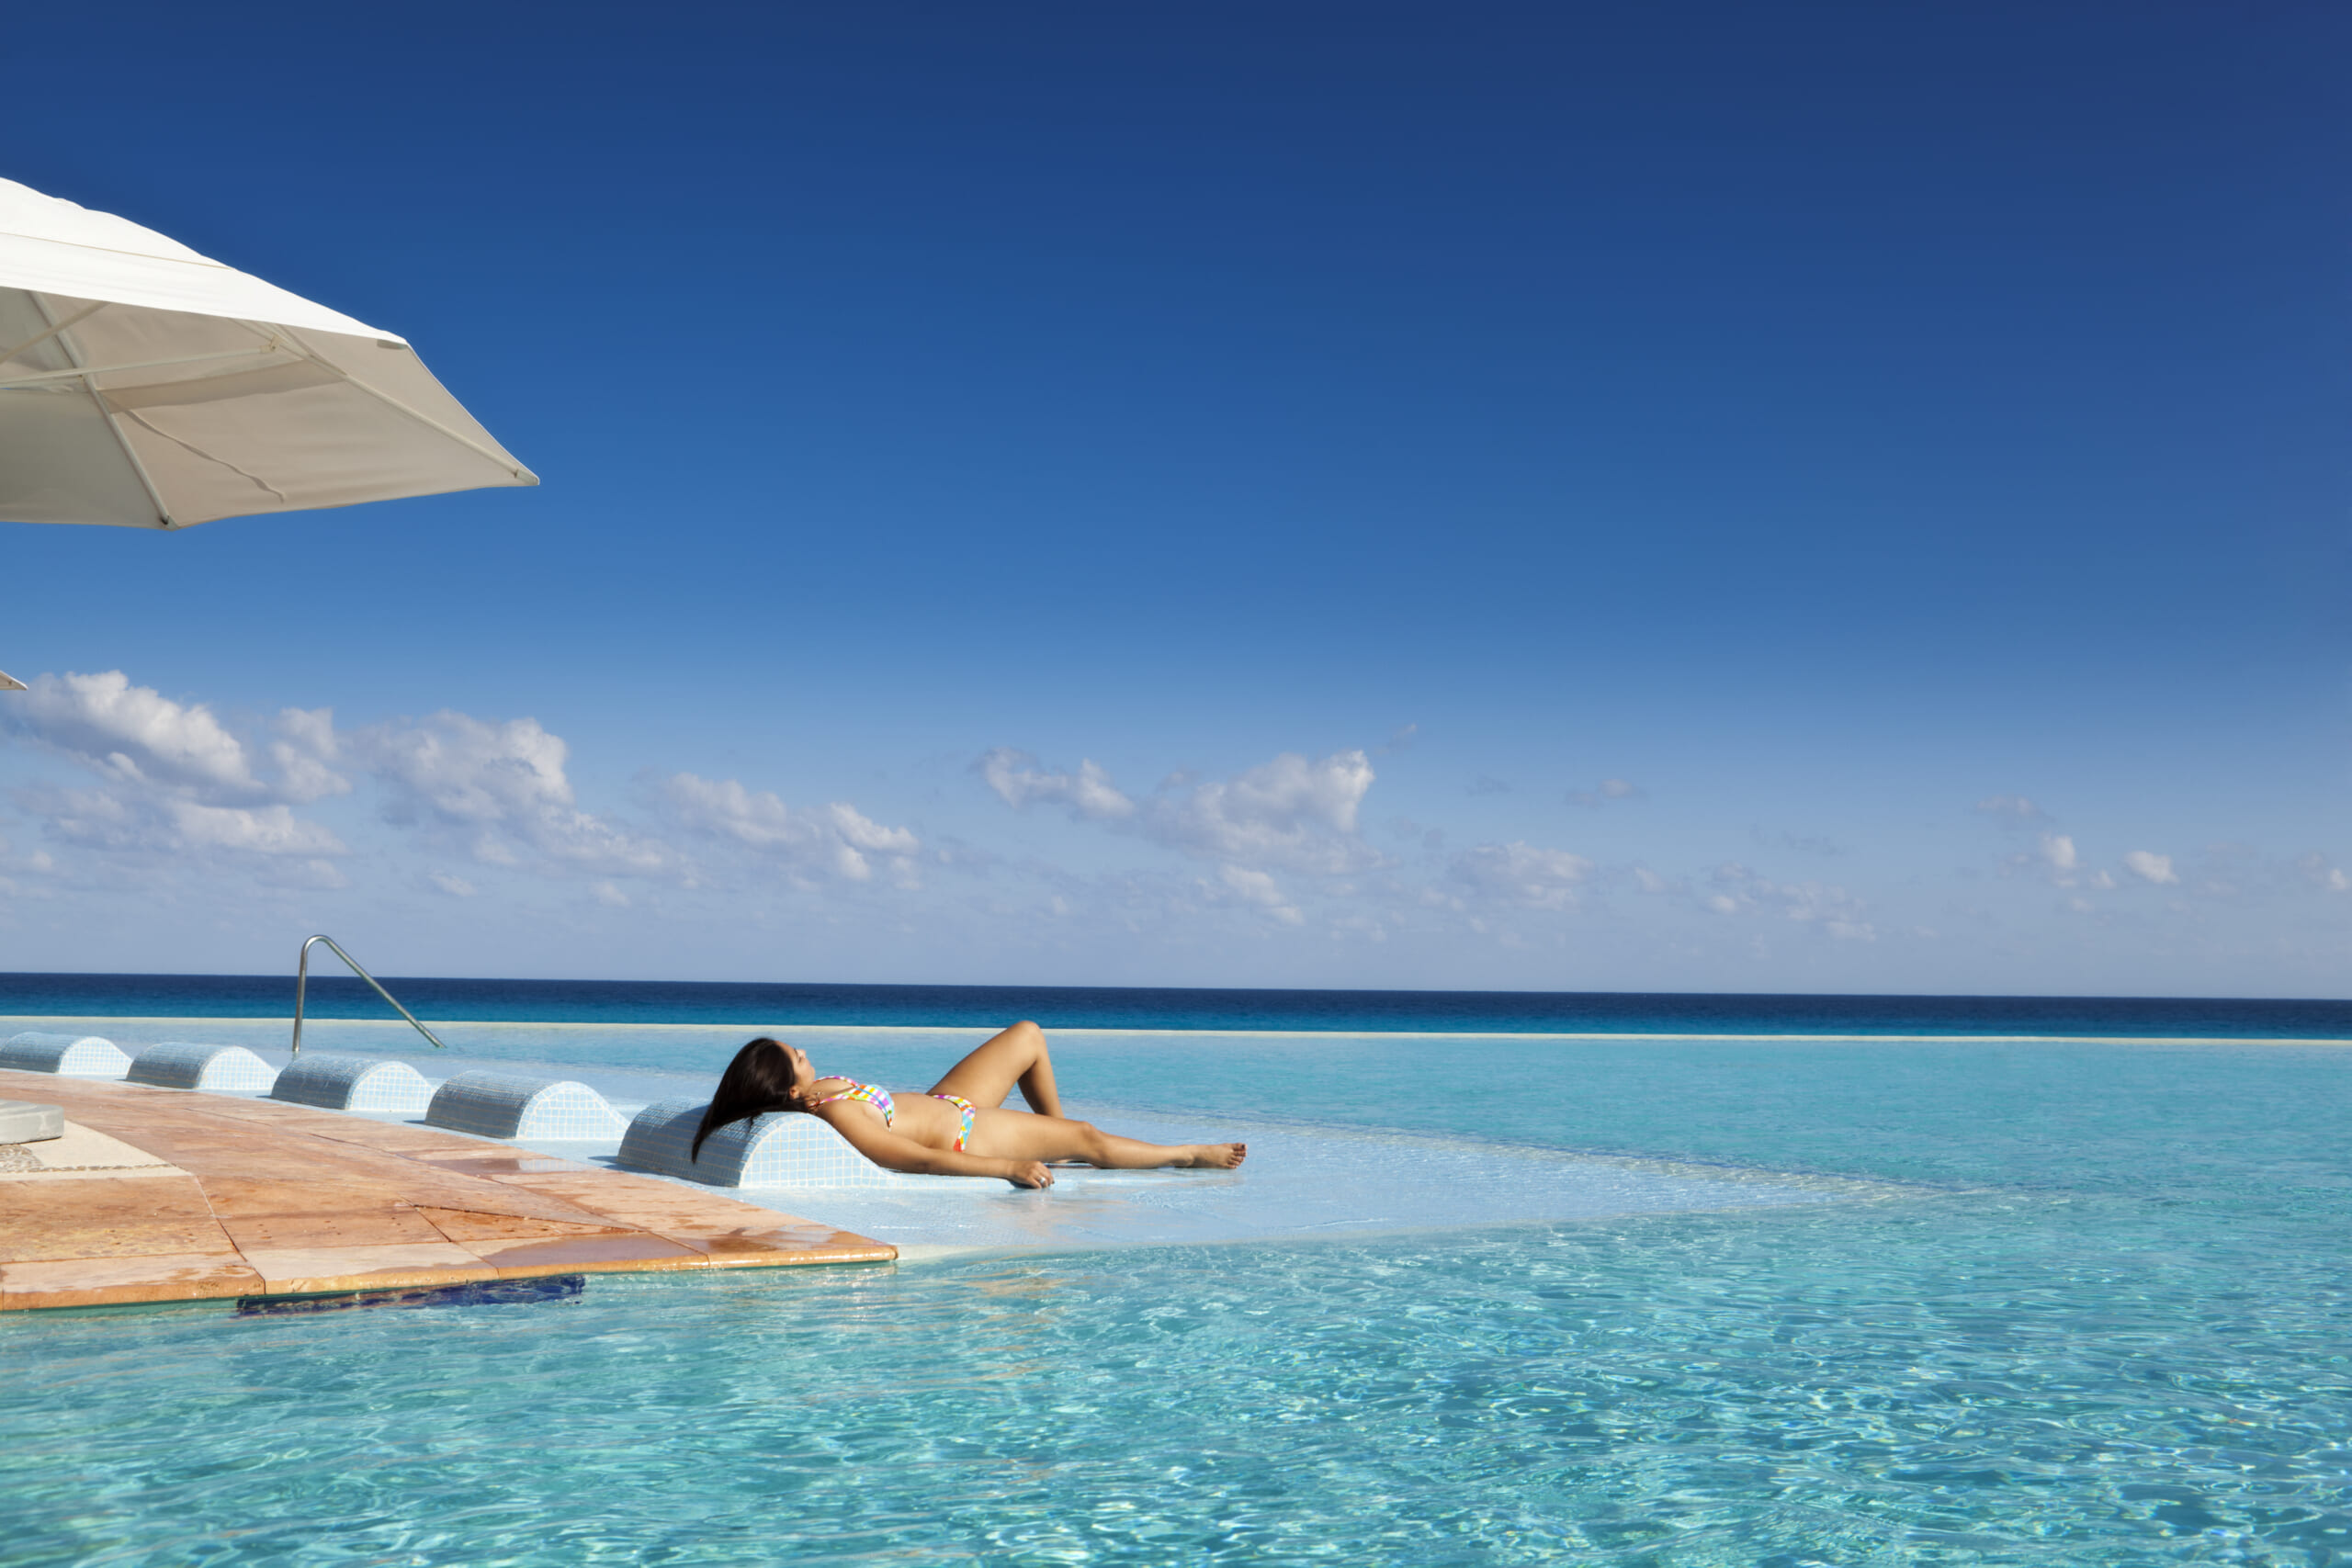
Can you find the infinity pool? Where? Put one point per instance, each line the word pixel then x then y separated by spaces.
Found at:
pixel 2030 1303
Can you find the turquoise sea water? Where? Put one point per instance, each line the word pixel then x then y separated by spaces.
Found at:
pixel 2085 1304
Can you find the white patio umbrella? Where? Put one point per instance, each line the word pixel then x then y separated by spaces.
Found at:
pixel 145 385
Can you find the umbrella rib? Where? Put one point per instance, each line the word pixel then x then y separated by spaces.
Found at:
pixel 38 377
pixel 163 518
pixel 33 343
pixel 390 402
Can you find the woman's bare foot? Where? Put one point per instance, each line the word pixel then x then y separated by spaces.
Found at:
pixel 1214 1156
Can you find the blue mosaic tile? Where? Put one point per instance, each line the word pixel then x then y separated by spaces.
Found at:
pixel 178 1064
pixel 508 1105
pixel 67 1056
pixel 780 1149
pixel 353 1083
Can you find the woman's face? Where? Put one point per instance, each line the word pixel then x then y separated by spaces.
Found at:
pixel 803 1075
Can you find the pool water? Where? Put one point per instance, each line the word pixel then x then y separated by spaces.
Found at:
pixel 2045 1304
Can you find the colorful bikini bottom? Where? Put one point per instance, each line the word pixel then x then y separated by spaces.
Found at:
pixel 967 1108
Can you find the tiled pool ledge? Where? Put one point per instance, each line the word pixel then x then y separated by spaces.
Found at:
pixel 161 1195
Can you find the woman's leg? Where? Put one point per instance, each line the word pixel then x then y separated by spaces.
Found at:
pixel 1016 1135
pixel 1015 1057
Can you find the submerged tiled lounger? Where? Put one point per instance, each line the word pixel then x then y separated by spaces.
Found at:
pixel 191 1197
pixel 353 1083
pixel 223 1070
pixel 507 1105
pixel 768 1151
pixel 67 1056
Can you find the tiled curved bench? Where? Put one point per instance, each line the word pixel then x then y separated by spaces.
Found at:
pixel 353 1083
pixel 180 1063
pixel 507 1105
pixel 67 1056
pixel 783 1149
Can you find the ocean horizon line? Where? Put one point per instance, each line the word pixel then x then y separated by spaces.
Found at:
pixel 402 1027
pixel 1110 1012
pixel 327 978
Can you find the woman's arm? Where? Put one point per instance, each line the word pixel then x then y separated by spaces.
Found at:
pixel 893 1151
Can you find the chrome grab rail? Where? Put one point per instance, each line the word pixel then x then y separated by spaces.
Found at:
pixel 302 981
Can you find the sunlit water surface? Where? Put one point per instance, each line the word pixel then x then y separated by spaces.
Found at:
pixel 2063 1304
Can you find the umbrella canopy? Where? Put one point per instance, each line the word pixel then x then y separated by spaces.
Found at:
pixel 145 385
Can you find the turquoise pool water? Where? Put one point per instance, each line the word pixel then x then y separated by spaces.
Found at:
pixel 2104 1316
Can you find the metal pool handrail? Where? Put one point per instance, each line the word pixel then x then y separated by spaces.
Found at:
pixel 302 981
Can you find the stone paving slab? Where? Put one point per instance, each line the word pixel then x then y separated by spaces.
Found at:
pixel 159 1194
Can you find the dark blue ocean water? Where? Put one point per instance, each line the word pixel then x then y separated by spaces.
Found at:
pixel 1510 1012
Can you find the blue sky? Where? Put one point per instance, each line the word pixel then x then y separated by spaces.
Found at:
pixel 1809 497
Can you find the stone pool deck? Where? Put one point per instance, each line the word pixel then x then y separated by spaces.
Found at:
pixel 165 1195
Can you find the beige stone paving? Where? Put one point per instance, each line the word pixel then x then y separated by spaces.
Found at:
pixel 160 1195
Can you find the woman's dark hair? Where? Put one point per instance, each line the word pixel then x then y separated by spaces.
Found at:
pixel 759 1080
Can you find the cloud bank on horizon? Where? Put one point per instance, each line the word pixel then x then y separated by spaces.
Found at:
pixel 116 791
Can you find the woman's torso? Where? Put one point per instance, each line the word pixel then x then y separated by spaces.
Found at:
pixel 914 1116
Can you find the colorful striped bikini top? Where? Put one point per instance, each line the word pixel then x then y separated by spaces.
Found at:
pixel 873 1094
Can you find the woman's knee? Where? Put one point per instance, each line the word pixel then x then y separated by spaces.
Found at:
pixel 1092 1143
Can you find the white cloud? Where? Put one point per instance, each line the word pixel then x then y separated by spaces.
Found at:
pixel 1611 789
pixel 311 875
pixel 95 819
pixel 2316 871
pixel 2151 867
pixel 306 744
pixel 461 769
pixel 178 786
pixel 261 830
pixel 2056 859
pixel 2013 807
pixel 144 743
pixel 501 787
pixel 1259 888
pixel 1520 873
pixel 132 821
pixel 1019 782
pixel 835 839
pixel 1824 906
pixel 455 887
pixel 134 735
pixel 1289 814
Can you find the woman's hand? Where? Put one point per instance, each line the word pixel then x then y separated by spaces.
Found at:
pixel 1029 1173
